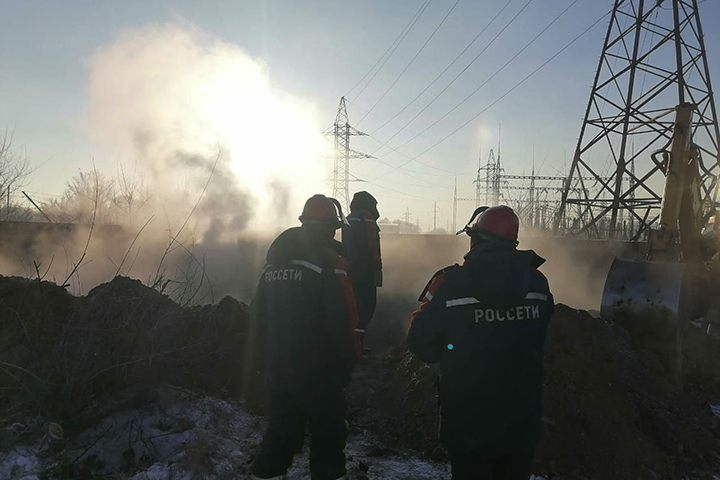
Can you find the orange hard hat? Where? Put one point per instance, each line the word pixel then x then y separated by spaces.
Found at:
pixel 499 222
pixel 319 210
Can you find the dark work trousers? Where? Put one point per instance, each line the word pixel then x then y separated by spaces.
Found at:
pixel 284 437
pixel 475 466
pixel 366 298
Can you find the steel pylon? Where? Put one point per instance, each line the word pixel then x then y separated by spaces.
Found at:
pixel 341 131
pixel 652 60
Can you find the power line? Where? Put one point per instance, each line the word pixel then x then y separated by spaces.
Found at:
pixel 398 191
pixel 410 174
pixel 518 84
pixel 386 51
pixel 385 143
pixel 403 35
pixel 458 75
pixel 444 70
pixel 412 60
pixel 407 156
pixel 497 72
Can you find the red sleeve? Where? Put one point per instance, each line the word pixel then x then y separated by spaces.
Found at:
pixel 373 242
pixel 431 290
pixel 341 272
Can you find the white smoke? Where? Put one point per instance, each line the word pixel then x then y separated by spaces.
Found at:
pixel 175 96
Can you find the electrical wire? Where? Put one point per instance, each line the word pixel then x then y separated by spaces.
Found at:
pixel 508 92
pixel 405 34
pixel 445 69
pixel 497 72
pixel 411 61
pixel 386 51
pixel 409 174
pixel 512 20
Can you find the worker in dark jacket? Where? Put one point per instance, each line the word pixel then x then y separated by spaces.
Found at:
pixel 305 309
pixel 485 323
pixel 361 236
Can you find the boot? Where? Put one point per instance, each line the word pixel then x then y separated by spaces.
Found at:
pixel 365 351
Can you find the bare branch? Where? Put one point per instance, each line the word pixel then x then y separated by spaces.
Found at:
pixel 92 227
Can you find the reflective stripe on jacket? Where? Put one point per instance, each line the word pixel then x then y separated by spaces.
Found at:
pixel 485 323
pixel 305 310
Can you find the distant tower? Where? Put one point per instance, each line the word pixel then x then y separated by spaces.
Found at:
pixel 341 177
pixel 653 60
pixel 493 178
pixel 478 181
pixel 455 202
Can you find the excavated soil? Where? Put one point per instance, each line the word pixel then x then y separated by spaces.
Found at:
pixel 59 353
pixel 612 409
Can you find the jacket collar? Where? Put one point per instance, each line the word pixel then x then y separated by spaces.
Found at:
pixel 490 248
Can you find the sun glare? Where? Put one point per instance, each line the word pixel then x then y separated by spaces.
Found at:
pixel 268 138
pixel 184 91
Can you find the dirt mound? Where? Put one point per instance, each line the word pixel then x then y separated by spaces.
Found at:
pixel 30 311
pixel 395 395
pixel 611 410
pixel 60 353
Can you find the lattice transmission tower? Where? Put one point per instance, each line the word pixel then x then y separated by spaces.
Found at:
pixel 488 188
pixel 653 60
pixel 341 131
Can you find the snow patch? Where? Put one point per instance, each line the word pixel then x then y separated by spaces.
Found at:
pixel 185 436
pixel 21 463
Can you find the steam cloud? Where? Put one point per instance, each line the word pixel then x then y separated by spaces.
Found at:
pixel 175 98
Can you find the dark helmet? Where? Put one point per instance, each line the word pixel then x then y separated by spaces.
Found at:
pixel 319 210
pixel 364 201
pixel 493 224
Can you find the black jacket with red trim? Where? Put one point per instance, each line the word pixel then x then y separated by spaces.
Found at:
pixel 305 310
pixel 361 237
pixel 485 323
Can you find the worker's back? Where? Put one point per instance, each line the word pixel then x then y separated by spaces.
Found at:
pixel 305 310
pixel 491 314
pixel 362 241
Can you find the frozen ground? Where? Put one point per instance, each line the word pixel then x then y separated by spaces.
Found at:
pixel 186 436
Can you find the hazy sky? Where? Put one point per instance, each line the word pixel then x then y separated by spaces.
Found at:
pixel 314 51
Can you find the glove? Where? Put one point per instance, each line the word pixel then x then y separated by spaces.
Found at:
pixel 378 277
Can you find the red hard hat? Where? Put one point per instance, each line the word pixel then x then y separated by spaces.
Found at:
pixel 500 222
pixel 319 210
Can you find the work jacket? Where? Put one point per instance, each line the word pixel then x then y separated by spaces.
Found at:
pixel 361 237
pixel 304 309
pixel 485 323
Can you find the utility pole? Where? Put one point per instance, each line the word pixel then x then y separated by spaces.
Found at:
pixel 455 202
pixel 341 177
pixel 407 223
pixel 435 216
pixel 491 180
pixel 494 180
pixel 653 59
pixel 478 180
pixel 532 192
pixel 496 186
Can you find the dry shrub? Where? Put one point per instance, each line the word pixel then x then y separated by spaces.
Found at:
pixel 60 353
pixel 198 458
